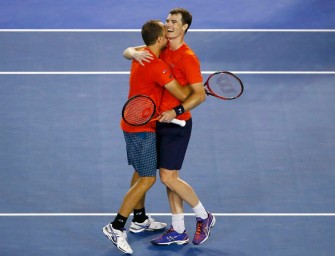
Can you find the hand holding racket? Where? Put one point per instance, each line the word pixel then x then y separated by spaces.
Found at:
pixel 141 109
pixel 224 85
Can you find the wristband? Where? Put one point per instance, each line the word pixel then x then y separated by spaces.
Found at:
pixel 179 110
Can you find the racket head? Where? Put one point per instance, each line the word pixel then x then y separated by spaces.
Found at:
pixel 224 85
pixel 138 110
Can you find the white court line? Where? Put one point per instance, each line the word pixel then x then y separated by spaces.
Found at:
pixel 169 214
pixel 127 72
pixel 190 30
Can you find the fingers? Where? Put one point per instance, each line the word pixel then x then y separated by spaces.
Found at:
pixel 167 116
pixel 144 56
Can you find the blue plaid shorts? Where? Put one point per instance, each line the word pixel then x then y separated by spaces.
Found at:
pixel 142 152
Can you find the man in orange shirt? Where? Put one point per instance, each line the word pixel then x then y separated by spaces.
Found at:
pixel 173 140
pixel 152 80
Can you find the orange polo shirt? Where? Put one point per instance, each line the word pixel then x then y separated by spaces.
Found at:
pixel 148 80
pixel 185 68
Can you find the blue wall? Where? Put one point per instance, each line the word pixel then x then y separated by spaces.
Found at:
pixel 227 14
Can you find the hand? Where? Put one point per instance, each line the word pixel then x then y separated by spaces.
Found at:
pixel 167 116
pixel 142 56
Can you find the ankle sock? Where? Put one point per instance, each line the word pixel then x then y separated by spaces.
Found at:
pixel 119 222
pixel 178 223
pixel 200 211
pixel 139 215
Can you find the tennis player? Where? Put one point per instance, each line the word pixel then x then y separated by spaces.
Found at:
pixel 151 80
pixel 173 140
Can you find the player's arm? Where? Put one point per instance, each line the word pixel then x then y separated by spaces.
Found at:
pixel 137 53
pixel 178 91
pixel 191 96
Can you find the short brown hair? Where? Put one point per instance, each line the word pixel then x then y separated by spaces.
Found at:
pixel 151 30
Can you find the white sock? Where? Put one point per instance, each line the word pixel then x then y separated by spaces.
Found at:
pixel 200 211
pixel 178 222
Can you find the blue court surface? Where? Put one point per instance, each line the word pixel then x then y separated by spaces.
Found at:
pixel 263 164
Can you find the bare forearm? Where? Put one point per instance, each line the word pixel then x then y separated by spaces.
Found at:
pixel 195 97
pixel 130 52
pixel 137 53
pixel 194 100
pixel 192 95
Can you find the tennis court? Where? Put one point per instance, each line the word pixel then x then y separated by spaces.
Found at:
pixel 263 163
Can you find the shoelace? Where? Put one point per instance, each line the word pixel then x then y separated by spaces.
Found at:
pixel 199 227
pixel 170 230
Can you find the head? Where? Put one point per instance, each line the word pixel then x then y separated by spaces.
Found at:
pixel 178 22
pixel 154 31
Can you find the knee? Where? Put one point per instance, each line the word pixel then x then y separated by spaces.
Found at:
pixel 167 178
pixel 148 181
pixel 164 179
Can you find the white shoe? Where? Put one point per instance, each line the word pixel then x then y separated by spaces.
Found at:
pixel 148 225
pixel 118 237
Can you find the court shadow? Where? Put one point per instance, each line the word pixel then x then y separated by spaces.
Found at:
pixel 151 234
pixel 162 249
pixel 190 250
pixel 211 252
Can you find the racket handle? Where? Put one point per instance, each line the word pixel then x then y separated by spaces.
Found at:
pixel 182 123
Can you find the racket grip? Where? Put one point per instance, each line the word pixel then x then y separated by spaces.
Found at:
pixel 182 123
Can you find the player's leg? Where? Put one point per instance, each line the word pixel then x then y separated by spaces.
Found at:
pixel 142 221
pixel 115 230
pixel 172 145
pixel 139 146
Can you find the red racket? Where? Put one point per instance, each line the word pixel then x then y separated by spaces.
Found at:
pixel 224 85
pixel 141 109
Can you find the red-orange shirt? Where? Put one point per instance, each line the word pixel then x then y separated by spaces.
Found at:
pixel 185 67
pixel 148 80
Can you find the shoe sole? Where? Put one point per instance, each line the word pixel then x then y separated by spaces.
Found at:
pixel 173 242
pixel 137 230
pixel 209 231
pixel 145 229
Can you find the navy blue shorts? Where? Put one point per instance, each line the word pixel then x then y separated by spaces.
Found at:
pixel 172 142
pixel 141 152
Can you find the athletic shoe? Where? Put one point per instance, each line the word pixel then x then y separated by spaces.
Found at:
pixel 148 225
pixel 118 237
pixel 203 229
pixel 170 236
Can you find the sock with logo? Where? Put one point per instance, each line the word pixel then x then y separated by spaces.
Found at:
pixel 139 215
pixel 119 222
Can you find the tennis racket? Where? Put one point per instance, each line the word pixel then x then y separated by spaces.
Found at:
pixel 224 85
pixel 141 109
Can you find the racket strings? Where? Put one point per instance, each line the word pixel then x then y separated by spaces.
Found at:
pixel 225 86
pixel 138 110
